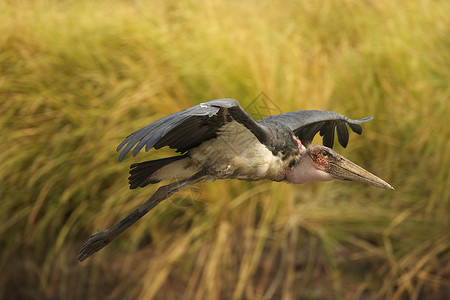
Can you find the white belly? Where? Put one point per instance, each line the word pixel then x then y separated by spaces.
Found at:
pixel 237 153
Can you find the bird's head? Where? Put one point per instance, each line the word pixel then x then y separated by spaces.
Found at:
pixel 320 163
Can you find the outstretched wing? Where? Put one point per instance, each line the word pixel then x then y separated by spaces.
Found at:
pixel 188 128
pixel 307 123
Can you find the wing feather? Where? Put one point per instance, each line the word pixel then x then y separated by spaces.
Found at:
pixel 342 133
pixel 327 132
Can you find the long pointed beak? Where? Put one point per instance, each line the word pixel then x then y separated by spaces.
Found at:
pixel 343 169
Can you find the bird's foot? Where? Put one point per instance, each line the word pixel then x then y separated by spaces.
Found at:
pixel 95 243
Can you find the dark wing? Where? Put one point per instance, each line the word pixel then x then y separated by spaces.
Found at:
pixel 188 128
pixel 306 123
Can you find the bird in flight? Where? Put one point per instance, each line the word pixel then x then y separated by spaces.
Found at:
pixel 219 140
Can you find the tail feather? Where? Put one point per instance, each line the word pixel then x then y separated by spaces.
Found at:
pixel 141 173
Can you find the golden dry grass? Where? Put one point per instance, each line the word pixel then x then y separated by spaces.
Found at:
pixel 77 77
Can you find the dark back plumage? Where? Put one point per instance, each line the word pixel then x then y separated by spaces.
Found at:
pixel 188 128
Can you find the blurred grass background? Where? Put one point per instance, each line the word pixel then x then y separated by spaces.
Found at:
pixel 79 76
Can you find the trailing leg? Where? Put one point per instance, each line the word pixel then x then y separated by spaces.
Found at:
pixel 99 240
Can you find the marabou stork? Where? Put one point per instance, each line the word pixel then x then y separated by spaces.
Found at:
pixel 220 140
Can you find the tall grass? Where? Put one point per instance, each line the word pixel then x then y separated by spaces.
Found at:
pixel 77 77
